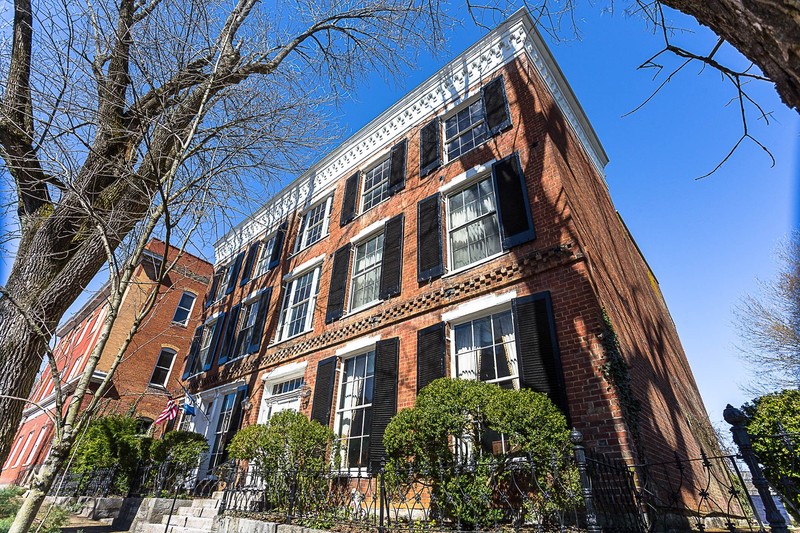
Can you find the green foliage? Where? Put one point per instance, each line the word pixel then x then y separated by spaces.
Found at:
pixel 774 423
pixel 110 441
pixel 446 438
pixel 9 500
pixel 289 439
pixel 183 448
pixel 50 519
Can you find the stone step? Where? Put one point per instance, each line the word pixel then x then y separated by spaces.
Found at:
pixel 208 503
pixel 195 511
pixel 159 528
pixel 190 521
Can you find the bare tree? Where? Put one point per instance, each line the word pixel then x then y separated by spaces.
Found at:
pixel 769 325
pixel 103 101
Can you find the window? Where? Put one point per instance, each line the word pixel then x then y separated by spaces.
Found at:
pixel 315 224
pixel 281 396
pixel 32 455
pixel 465 130
pixel 205 345
pixel 354 412
pixel 247 324
pixel 287 386
pixel 485 350
pixel 143 425
pixel 298 304
pixel 226 415
pixel 264 257
pixel 474 232
pixel 184 309
pixel 376 185
pixel 365 286
pixel 162 369
pixel 222 283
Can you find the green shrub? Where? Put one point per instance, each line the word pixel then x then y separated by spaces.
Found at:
pixel 775 414
pixel 110 441
pixel 10 500
pixel 447 439
pixel 184 448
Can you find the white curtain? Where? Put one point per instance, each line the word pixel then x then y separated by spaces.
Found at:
pixel 511 356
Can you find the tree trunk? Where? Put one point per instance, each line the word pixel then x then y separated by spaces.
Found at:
pixel 41 486
pixel 767 32
pixel 21 351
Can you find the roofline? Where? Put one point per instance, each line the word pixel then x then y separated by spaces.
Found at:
pixel 541 57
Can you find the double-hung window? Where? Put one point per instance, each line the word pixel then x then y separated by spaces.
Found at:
pixel 205 344
pixel 264 257
pixel 465 130
pixel 473 228
pixel 485 350
pixel 367 262
pixel 376 185
pixel 162 368
pixel 184 309
pixel 247 324
pixel 315 224
pixel 354 410
pixel 222 283
pixel 298 304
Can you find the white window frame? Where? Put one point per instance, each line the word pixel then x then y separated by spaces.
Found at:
pixel 36 445
pixel 288 295
pixel 189 310
pixel 208 332
pixel 169 370
pixel 385 159
pixel 469 101
pixel 302 237
pixel 353 274
pixel 249 302
pixel 280 375
pixel 466 184
pixel 351 354
pixel 222 284
pixel 24 447
pixel 265 248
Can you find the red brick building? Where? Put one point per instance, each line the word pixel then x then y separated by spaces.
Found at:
pixel 140 383
pixel 467 231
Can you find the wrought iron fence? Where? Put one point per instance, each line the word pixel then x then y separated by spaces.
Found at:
pixel 98 482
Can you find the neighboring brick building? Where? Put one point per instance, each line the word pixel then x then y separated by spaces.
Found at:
pixel 467 231
pixel 140 383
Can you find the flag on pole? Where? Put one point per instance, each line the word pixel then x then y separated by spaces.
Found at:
pixel 189 403
pixel 169 412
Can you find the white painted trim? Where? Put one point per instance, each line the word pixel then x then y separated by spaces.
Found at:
pixel 369 230
pixel 285 371
pixel 479 306
pixel 213 318
pixel 210 394
pixel 357 345
pixel 304 267
pixel 466 176
pixel 253 295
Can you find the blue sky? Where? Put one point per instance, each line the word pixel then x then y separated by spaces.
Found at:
pixel 707 241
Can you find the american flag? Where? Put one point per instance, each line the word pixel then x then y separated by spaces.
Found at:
pixel 169 412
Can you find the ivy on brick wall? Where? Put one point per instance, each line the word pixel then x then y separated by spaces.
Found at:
pixel 617 372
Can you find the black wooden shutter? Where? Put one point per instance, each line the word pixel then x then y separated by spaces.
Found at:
pixel 429 149
pixel 429 239
pixel 341 266
pixel 219 325
pixel 516 223
pixel 323 391
pixel 349 199
pixel 252 253
pixel 430 354
pixel 187 367
pixel 397 167
pixel 213 292
pixel 237 265
pixel 495 106
pixel 261 319
pixel 229 340
pixel 392 267
pixel 280 236
pixel 537 347
pixel 384 397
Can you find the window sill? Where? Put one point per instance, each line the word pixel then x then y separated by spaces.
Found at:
pixel 178 324
pixel 362 308
pixel 473 265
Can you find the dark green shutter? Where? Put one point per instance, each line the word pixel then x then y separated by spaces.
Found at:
pixel 323 391
pixel 429 150
pixel 261 320
pixel 397 167
pixel 336 290
pixel 212 350
pixel 229 340
pixel 392 267
pixel 349 199
pixel 516 222
pixel 237 265
pixel 384 397
pixel 195 346
pixel 431 353
pixel 495 106
pixel 537 348
pixel 280 237
pixel 430 263
pixel 252 253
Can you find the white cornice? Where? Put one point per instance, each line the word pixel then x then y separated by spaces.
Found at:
pixel 450 84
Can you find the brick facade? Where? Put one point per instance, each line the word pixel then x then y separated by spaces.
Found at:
pixel 582 255
pixel 131 392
